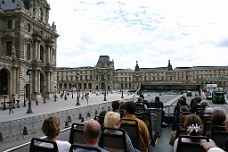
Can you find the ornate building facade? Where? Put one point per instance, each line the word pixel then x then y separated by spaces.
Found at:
pixel 27 40
pixel 92 78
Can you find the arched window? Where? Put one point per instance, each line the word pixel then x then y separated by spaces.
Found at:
pixel 42 53
pixel 40 14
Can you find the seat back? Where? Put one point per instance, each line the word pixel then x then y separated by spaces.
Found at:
pixel 50 146
pixel 139 105
pixel 207 125
pixel 113 140
pixel 147 119
pixel 77 134
pixel 191 146
pixel 180 130
pixel 218 134
pixel 131 127
pixel 155 114
pixel 74 147
pixel 226 145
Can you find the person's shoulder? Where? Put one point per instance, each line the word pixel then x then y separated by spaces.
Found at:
pixel 62 142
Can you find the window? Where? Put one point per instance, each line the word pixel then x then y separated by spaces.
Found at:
pixel 8 48
pixel 29 27
pixel 9 24
pixel 40 14
pixel 41 53
pixel 28 53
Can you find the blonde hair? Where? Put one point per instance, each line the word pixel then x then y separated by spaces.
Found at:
pixel 111 119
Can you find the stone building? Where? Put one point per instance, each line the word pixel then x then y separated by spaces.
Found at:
pixel 27 41
pixel 92 78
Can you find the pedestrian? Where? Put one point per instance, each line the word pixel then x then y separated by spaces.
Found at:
pixel 11 107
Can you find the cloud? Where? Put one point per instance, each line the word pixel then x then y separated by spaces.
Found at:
pixel 187 32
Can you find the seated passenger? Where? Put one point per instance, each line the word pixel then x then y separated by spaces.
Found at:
pixel 211 147
pixel 196 104
pixel 141 102
pixel 194 127
pixel 92 132
pixel 129 113
pixel 157 100
pixel 51 128
pixel 112 120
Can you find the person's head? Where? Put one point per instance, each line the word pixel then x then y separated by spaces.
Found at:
pixel 140 99
pixel 208 110
pixel 92 131
pixel 182 101
pixel 184 109
pixel 157 98
pixel 122 102
pixel 226 122
pixel 112 120
pixel 129 108
pixel 204 104
pixel 193 125
pixel 218 116
pixel 115 105
pixel 142 96
pixel 102 113
pixel 197 100
pixel 51 127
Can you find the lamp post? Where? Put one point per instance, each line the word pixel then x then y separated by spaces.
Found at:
pixel 122 87
pixel 44 95
pixel 104 89
pixel 77 104
pixel 55 94
pixel 72 86
pixel 4 96
pixel 29 73
pixel 24 96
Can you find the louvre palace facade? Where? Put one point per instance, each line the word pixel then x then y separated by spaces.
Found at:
pixel 104 76
pixel 27 50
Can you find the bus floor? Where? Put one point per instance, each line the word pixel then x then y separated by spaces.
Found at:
pixel 162 143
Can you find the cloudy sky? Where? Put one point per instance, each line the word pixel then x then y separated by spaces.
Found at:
pixel 186 32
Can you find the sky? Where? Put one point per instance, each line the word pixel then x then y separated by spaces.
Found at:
pixel 186 32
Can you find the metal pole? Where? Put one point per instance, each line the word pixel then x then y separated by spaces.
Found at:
pixel 4 104
pixel 44 95
pixel 55 94
pixel 29 72
pixel 72 85
pixel 77 104
pixel 29 104
pixel 105 89
pixel 24 96
pixel 122 88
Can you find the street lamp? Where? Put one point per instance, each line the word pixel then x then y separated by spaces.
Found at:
pixel 29 73
pixel 55 94
pixel 72 86
pixel 122 87
pixel 44 95
pixel 77 76
pixel 4 96
pixel 104 89
pixel 24 96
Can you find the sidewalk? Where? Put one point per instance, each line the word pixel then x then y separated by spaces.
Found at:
pixel 60 105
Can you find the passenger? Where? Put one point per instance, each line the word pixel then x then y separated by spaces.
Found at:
pixel 196 104
pixel 204 104
pixel 115 106
pixel 113 120
pixel 129 113
pixel 92 132
pixel 218 116
pixel 157 101
pixel 194 127
pixel 141 102
pixel 181 103
pixel 226 127
pixel 51 128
